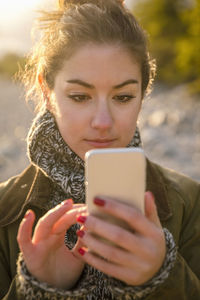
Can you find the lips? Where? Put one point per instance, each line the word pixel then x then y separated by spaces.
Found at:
pixel 100 143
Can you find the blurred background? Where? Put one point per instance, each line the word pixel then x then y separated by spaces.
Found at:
pixel 170 119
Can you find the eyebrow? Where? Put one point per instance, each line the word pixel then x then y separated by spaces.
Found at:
pixel 90 86
pixel 130 81
pixel 81 82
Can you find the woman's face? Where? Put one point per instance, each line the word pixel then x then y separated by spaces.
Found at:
pixel 97 98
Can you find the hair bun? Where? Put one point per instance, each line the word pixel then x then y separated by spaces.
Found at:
pixel 64 3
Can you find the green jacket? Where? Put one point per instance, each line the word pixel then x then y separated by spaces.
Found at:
pixel 178 203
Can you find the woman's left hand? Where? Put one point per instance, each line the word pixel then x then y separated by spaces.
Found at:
pixel 133 256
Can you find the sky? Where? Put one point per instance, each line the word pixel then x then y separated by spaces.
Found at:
pixel 16 19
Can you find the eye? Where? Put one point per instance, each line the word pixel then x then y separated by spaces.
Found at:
pixel 79 97
pixel 123 98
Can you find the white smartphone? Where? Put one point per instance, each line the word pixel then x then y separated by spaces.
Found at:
pixel 117 173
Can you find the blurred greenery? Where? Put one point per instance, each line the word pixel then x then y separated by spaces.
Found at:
pixel 10 64
pixel 174 33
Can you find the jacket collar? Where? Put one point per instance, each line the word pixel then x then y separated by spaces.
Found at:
pixel 157 185
pixel 35 187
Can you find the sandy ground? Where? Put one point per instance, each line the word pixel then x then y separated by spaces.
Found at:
pixel 169 124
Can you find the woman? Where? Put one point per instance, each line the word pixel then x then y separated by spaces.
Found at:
pixel 89 73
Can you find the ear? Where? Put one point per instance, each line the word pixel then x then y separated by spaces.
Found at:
pixel 45 91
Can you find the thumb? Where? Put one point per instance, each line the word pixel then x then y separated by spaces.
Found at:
pixel 24 236
pixel 151 209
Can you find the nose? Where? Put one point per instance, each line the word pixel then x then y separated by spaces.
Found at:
pixel 102 117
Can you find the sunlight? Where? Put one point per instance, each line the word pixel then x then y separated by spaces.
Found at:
pixel 16 19
pixel 15 11
pixel 16 6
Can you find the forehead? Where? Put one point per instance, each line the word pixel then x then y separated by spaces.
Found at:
pixel 101 61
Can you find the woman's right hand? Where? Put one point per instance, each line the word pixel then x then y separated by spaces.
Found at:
pixel 46 256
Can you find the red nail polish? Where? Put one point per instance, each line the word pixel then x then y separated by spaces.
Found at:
pixel 81 251
pixel 99 201
pixel 81 219
pixel 80 233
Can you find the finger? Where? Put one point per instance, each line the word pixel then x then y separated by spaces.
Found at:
pixel 24 236
pixel 110 252
pixel 44 226
pixel 79 244
pixel 127 275
pixel 115 234
pixel 68 219
pixel 151 209
pixel 80 205
pixel 131 215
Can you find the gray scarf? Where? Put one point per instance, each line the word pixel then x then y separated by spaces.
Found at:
pixel 48 151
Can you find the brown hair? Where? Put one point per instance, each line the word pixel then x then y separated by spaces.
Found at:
pixel 76 23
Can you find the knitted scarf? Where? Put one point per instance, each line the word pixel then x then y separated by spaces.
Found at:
pixel 48 151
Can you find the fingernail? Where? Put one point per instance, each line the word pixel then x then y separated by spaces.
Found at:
pixel 81 251
pixel 81 219
pixel 27 214
pixel 99 201
pixel 66 202
pixel 80 233
pixel 150 195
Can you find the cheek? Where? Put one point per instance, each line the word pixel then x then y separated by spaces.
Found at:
pixel 71 124
pixel 68 131
pixel 128 120
pixel 128 125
